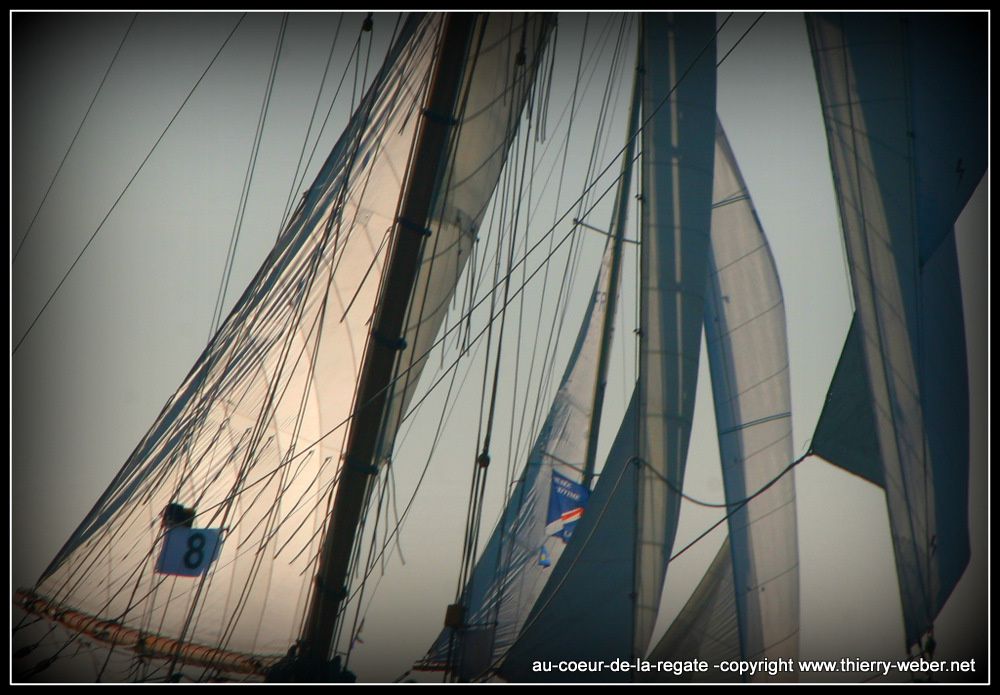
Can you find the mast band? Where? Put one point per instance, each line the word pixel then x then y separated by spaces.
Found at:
pixel 392 344
pixel 439 118
pixel 367 469
pixel 412 226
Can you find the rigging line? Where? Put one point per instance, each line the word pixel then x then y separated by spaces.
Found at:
pixel 520 325
pixel 234 238
pixel 297 182
pixel 312 121
pixel 742 36
pixel 518 185
pixel 742 503
pixel 448 408
pixel 329 111
pixel 562 173
pixel 573 255
pixel 537 244
pixel 701 503
pixel 466 558
pixel 48 190
pixel 127 186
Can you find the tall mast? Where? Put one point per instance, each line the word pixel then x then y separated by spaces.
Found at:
pixel 386 337
pixel 618 238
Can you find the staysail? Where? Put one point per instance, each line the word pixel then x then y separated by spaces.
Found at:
pixel 707 627
pixel 251 443
pixel 904 102
pixel 585 612
pixel 522 553
pixel 748 359
pixel 536 526
pixel 611 574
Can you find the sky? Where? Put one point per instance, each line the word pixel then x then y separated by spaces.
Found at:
pixel 135 312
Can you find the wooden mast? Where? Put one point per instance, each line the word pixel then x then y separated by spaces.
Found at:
pixel 426 167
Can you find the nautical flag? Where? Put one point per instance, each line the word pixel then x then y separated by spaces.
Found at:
pixel 566 503
pixel 187 552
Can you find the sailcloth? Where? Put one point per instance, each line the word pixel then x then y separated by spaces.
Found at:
pixel 904 102
pixel 748 360
pixel 252 440
pixel 522 554
pixel 707 628
pixel 601 602
pixel 678 141
pixel 586 610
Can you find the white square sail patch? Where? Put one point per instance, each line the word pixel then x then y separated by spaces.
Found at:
pixel 187 552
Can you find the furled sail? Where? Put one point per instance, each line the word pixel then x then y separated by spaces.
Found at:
pixel 748 359
pixel 522 552
pixel 251 443
pixel 904 102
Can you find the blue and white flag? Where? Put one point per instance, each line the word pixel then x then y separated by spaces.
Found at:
pixel 187 552
pixel 566 502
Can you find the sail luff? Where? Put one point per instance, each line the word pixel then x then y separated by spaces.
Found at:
pixel 618 236
pixel 424 173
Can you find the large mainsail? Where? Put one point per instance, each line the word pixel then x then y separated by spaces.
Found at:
pixel 904 104
pixel 252 440
pixel 747 605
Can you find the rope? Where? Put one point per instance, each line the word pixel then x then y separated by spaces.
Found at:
pixel 127 186
pixel 48 190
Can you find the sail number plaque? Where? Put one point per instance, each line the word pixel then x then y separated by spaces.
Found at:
pixel 188 552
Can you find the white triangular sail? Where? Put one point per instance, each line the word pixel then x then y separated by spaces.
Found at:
pixel 586 610
pixel 521 554
pixel 707 627
pixel 252 440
